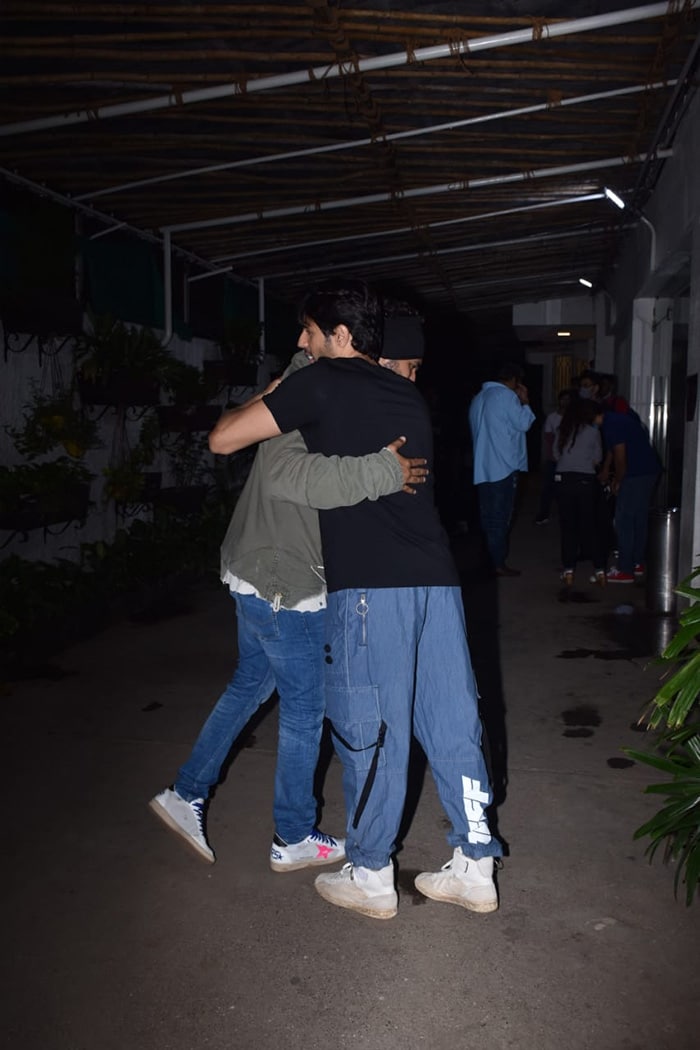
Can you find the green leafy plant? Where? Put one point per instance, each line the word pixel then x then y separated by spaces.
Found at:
pixel 126 480
pixel 187 385
pixel 114 347
pixel 241 340
pixel 54 421
pixel 674 710
pixel 47 482
pixel 37 596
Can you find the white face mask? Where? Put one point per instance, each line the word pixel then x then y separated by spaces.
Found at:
pixel 585 391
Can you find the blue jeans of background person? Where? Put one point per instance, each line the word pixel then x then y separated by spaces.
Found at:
pixel 400 656
pixel 496 504
pixel 632 519
pixel 280 649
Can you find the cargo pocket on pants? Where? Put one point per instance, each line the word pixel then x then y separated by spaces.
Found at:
pixel 356 723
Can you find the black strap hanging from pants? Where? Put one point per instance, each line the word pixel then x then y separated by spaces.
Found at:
pixel 371 772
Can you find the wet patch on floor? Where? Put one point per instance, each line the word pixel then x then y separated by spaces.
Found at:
pixel 584 715
pixel 597 654
pixel 580 597
pixel 639 633
pixel 579 720
pixel 638 727
pixel 620 763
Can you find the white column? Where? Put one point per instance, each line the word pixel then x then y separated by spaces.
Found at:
pixel 689 552
pixel 604 351
pixel 650 365
pixel 641 352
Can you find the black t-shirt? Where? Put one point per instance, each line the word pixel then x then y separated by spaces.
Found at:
pixel 350 407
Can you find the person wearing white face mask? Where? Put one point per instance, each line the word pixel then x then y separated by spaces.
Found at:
pixel 589 385
pixel 601 387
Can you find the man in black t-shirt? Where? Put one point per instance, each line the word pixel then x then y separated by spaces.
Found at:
pixel 396 653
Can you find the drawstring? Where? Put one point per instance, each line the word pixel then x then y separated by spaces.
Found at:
pixel 371 772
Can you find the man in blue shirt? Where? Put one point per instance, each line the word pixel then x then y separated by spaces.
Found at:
pixel 635 469
pixel 499 417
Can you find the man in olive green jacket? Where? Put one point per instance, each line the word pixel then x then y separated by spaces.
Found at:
pixel 271 561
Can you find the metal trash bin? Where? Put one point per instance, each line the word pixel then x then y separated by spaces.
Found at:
pixel 662 563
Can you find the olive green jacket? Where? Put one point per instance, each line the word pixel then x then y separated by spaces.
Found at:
pixel 273 540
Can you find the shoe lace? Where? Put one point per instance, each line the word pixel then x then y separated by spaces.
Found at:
pixel 320 836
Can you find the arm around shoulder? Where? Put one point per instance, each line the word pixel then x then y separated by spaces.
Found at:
pixel 324 482
pixel 243 426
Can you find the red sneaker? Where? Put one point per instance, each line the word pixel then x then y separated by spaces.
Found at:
pixel 617 576
pixel 639 570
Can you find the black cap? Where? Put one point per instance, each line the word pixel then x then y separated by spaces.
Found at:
pixel 403 338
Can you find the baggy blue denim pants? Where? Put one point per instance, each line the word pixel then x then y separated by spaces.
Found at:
pixel 496 505
pixel 400 656
pixel 632 519
pixel 277 649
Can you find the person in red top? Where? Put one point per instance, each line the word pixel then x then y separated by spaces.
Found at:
pixel 603 388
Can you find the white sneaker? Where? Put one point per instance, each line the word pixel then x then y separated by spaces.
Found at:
pixel 186 819
pixel 311 852
pixel 462 881
pixel 368 892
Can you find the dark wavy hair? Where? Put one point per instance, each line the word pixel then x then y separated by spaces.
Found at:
pixel 350 302
pixel 579 413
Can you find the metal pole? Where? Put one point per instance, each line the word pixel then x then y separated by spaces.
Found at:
pixel 168 288
pixel 534 238
pixel 321 73
pixel 420 191
pixel 335 147
pixel 261 315
pixel 371 234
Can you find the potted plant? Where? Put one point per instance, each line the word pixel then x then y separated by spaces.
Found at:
pixel 120 364
pixel 127 481
pixel 38 495
pixel 189 467
pixel 190 389
pixel 675 710
pixel 51 421
pixel 240 353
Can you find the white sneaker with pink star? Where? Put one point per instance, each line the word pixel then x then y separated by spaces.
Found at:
pixel 313 851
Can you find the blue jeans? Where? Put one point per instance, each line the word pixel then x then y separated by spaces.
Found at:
pixel 399 656
pixel 496 503
pixel 632 519
pixel 276 649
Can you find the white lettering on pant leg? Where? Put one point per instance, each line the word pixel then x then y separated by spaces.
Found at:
pixel 474 800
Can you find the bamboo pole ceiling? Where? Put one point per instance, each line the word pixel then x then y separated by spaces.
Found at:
pixel 432 172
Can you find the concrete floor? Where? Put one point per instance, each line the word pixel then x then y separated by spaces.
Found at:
pixel 118 938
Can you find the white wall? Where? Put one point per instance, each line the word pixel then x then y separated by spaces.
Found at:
pixel 18 373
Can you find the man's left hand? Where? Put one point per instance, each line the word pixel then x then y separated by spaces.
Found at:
pixel 414 471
